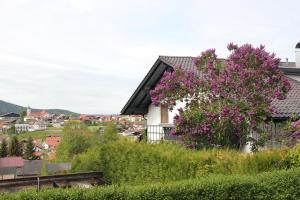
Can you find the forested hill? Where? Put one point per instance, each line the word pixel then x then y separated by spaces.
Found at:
pixel 6 107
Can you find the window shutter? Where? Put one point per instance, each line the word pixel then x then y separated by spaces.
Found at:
pixel 164 114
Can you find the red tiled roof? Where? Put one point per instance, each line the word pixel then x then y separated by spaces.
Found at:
pixel 11 162
pixel 52 141
pixel 37 154
pixel 38 114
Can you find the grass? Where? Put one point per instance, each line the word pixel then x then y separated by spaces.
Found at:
pixel 94 128
pixel 39 134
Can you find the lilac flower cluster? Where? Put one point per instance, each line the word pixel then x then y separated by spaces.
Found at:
pixel 174 85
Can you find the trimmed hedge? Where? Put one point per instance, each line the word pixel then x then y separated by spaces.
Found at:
pixel 272 185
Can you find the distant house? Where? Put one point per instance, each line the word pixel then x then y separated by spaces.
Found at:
pixel 160 119
pixel 51 142
pixel 40 125
pixel 58 122
pixel 10 167
pixel 31 168
pixel 10 116
pixel 6 124
pixel 34 116
pixel 23 127
pixel 38 145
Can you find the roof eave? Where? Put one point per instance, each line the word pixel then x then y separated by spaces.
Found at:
pixel 124 111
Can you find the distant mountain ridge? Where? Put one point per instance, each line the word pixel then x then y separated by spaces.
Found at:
pixel 6 107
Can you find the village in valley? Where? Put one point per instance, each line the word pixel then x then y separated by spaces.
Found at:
pixel 45 132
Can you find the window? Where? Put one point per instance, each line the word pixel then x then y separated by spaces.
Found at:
pixel 164 114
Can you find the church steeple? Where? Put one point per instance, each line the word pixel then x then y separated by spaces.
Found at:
pixel 28 110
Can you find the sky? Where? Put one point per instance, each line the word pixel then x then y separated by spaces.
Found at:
pixel 89 56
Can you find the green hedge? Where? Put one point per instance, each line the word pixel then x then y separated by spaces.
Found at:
pixel 271 185
pixel 126 162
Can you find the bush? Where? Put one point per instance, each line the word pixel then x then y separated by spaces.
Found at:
pixel 273 185
pixel 292 159
pixel 124 161
pixel 75 140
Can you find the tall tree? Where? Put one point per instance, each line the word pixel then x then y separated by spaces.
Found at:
pixel 23 114
pixel 15 148
pixel 29 149
pixel 75 140
pixel 110 133
pixel 3 149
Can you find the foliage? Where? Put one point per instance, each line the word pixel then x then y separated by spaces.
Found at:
pixel 275 185
pixel 94 128
pixel 23 114
pixel 110 133
pixel 227 99
pixel 293 157
pixel 15 148
pixel 127 162
pixel 75 140
pixel 29 149
pixel 291 134
pixel 3 148
pixel 11 130
pixel 89 160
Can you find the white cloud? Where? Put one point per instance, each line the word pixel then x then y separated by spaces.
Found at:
pixel 82 6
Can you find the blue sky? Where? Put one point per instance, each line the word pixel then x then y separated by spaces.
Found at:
pixel 89 56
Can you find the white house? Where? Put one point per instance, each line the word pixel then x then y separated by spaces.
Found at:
pixel 160 119
pixel 23 127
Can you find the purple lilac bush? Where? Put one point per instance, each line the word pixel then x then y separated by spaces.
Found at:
pixel 225 98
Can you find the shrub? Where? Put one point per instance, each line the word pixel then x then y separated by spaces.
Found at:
pixel 75 140
pixel 273 185
pixel 124 161
pixel 292 159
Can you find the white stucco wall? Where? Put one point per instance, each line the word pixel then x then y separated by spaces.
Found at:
pixel 153 115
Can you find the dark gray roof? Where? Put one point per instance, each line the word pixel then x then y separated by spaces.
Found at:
pixel 32 167
pixel 287 64
pixel 186 63
pixel 139 103
pixel 291 105
pixel 11 114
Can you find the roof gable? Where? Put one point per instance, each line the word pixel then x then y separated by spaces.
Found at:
pixel 286 108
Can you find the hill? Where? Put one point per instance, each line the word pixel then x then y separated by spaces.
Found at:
pixel 6 107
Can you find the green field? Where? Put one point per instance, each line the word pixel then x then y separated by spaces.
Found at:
pixel 49 131
pixel 39 134
pixel 94 128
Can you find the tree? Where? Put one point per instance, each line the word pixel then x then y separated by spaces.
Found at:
pixel 15 148
pixel 110 133
pixel 227 100
pixel 3 149
pixel 29 149
pixel 11 130
pixel 75 140
pixel 23 114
